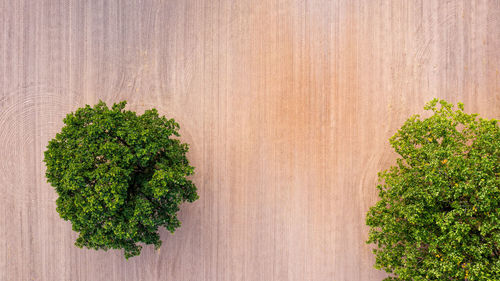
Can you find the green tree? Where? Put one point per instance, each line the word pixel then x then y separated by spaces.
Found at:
pixel 119 176
pixel 438 217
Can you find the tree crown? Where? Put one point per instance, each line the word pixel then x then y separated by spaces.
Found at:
pixel 438 217
pixel 119 176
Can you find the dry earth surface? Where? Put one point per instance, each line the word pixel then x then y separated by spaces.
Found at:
pixel 287 106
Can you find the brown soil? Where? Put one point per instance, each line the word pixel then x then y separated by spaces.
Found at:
pixel 287 106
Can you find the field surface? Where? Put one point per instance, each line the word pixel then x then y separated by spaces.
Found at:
pixel 287 106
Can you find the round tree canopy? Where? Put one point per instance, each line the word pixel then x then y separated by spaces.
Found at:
pixel 438 217
pixel 119 176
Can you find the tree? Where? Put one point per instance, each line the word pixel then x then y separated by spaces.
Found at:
pixel 438 217
pixel 119 176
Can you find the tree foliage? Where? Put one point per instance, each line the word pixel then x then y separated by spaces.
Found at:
pixel 438 217
pixel 119 176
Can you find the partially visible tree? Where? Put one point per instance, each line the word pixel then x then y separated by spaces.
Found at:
pixel 438 217
pixel 119 176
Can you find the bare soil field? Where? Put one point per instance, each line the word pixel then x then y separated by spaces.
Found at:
pixel 287 106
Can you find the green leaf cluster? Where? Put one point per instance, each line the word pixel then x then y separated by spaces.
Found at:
pixel 119 176
pixel 438 217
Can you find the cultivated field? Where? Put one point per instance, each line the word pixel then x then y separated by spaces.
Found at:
pixel 287 106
